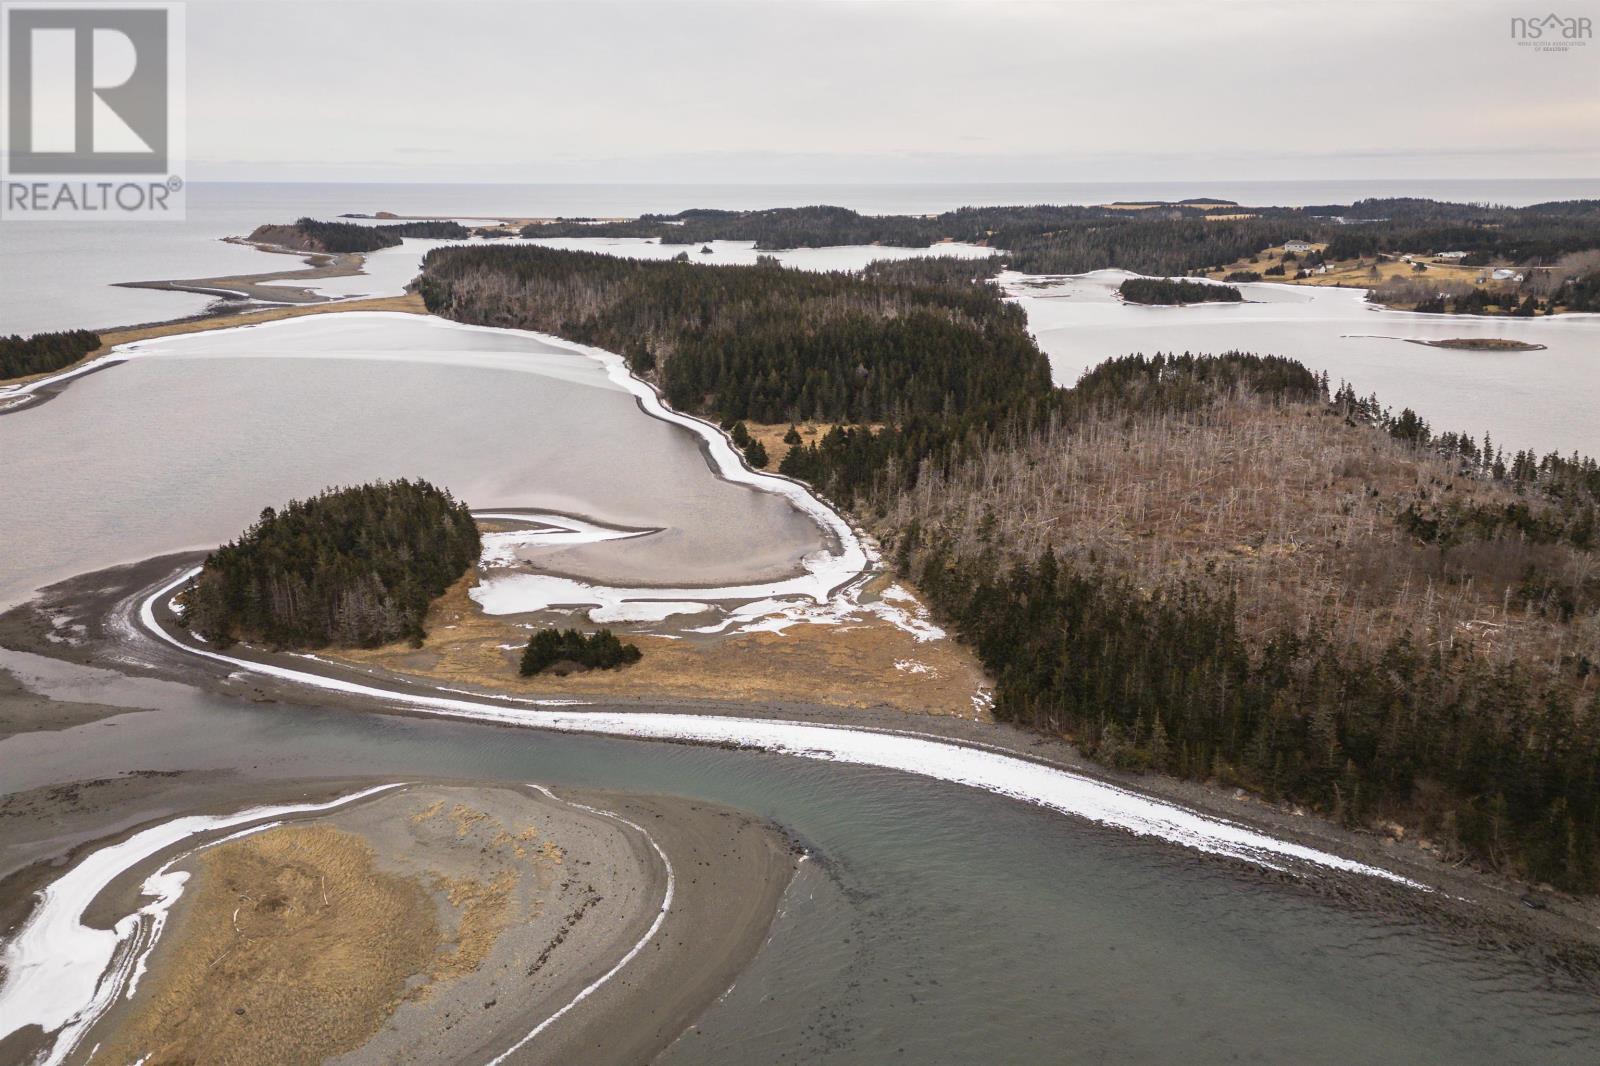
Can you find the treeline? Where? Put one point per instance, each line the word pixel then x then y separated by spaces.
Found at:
pixel 355 567
pixel 1164 240
pixel 1508 760
pixel 1322 691
pixel 786 227
pixel 1038 239
pixel 309 234
pixel 867 470
pixel 564 650
pixel 759 342
pixel 44 352
pixel 1169 291
pixel 1487 233
pixel 1500 759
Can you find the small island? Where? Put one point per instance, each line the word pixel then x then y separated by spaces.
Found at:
pixel 1176 292
pixel 353 567
pixel 1481 344
pixel 310 235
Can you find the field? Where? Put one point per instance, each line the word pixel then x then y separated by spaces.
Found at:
pixel 1367 273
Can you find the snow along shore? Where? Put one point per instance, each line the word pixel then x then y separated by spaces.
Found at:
pixel 1006 775
pixel 828 590
pixel 61 974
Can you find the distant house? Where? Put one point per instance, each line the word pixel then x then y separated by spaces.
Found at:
pixel 1451 255
pixel 1505 275
pixel 1298 246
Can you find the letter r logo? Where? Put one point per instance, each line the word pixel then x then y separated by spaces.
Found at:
pixel 87 90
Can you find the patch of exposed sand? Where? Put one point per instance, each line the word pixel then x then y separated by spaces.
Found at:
pixel 430 924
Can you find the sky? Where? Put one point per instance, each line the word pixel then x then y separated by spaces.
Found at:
pixel 898 91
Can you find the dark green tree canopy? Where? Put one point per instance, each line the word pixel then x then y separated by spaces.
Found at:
pixel 355 567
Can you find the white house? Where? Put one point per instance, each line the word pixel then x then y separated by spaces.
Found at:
pixel 1451 255
pixel 1505 275
pixel 1298 246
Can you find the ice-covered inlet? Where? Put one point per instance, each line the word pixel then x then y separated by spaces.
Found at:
pixel 828 586
pixel 991 771
pixel 62 974
pixel 828 591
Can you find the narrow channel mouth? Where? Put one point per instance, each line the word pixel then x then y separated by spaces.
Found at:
pixel 1038 784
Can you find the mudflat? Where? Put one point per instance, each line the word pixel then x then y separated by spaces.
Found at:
pixel 445 923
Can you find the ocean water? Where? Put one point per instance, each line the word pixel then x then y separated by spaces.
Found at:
pixel 181 447
pixel 62 276
pixel 1545 400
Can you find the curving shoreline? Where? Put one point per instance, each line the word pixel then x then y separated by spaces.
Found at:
pixel 1032 783
pixel 585 928
pixel 55 965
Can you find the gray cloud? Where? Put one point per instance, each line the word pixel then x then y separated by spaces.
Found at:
pixel 893 91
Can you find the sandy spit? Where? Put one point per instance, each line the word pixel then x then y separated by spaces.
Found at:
pixel 445 922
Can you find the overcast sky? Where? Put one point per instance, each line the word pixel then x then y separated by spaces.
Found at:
pixel 842 91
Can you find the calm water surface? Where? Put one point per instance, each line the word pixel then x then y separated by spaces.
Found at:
pixel 60 275
pixel 934 923
pixel 183 446
pixel 1546 400
pixel 938 924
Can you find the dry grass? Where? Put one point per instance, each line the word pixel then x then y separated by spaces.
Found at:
pixel 771 435
pixel 409 303
pixel 484 909
pixel 295 945
pixel 1358 273
pixel 854 665
pixel 1288 507
pixel 295 948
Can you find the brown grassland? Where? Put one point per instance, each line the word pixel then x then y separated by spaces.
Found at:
pixel 771 435
pixel 1371 273
pixel 854 665
pixel 297 947
pixel 298 943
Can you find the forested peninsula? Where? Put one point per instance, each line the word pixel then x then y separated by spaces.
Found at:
pixel 353 567
pixel 310 235
pixel 1156 239
pixel 761 342
pixel 1212 566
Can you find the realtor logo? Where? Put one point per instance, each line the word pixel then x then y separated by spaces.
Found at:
pixel 1552 32
pixel 92 92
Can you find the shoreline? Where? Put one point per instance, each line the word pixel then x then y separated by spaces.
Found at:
pixel 1559 930
pixel 711 436
pixel 843 567
pixel 15 389
pixel 258 288
pixel 624 900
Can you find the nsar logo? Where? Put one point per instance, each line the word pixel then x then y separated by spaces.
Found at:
pixel 1552 33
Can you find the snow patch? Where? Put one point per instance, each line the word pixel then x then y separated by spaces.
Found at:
pixel 61 974
pixel 1036 783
